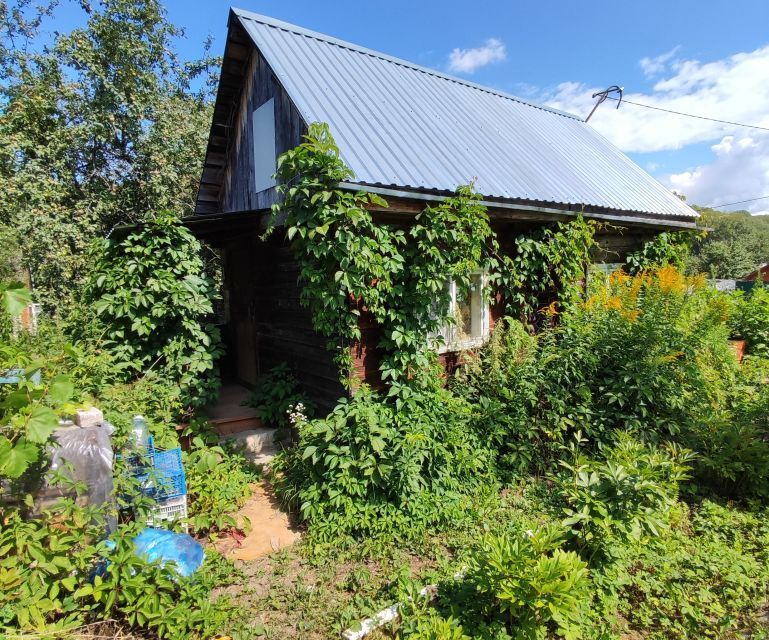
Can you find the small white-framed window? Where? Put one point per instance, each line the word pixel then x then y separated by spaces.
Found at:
pixel 263 129
pixel 470 312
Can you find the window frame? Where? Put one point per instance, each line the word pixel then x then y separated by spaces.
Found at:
pixel 264 154
pixel 448 330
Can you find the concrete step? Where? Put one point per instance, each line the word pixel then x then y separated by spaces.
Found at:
pixel 230 414
pixel 258 444
pixel 236 424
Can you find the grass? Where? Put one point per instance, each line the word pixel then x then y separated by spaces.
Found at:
pixel 294 594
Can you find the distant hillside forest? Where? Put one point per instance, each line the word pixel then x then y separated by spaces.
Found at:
pixel 737 244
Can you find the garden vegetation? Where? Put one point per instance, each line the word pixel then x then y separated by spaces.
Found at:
pixel 629 403
pixel 599 469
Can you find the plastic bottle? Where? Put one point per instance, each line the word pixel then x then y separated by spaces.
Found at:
pixel 140 433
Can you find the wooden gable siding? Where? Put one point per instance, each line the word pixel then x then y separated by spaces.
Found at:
pixel 237 193
pixel 264 297
pixel 761 274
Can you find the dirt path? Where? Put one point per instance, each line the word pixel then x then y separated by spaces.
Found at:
pixel 271 528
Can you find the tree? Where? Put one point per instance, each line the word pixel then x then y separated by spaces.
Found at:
pixel 97 127
pixel 153 304
pixel 737 244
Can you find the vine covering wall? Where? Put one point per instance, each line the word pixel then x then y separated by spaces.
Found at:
pixel 398 272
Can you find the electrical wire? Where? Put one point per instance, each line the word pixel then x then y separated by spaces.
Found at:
pixel 604 96
pixel 729 204
pixel 690 115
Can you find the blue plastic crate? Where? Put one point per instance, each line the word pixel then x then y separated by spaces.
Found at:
pixel 168 474
pixel 138 461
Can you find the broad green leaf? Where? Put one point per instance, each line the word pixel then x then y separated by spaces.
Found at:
pixel 16 458
pixel 15 298
pixel 41 424
pixel 61 389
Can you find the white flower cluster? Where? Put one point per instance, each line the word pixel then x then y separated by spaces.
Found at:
pixel 296 414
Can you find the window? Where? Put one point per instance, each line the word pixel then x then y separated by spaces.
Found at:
pixel 263 121
pixel 471 317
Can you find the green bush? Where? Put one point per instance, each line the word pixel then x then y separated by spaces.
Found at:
pixel 625 494
pixel 530 581
pixel 521 586
pixel 153 305
pixel 53 577
pixel 733 444
pixel 275 394
pixel 665 248
pixel 151 396
pixel 752 320
pixel 371 467
pixel 30 408
pixel 217 485
pixel 707 578
pixel 503 382
pixel 646 354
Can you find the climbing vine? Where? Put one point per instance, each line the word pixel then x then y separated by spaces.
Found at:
pixel 351 265
pixel 668 247
pixel 546 264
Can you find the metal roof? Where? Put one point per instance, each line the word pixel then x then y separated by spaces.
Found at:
pixel 401 125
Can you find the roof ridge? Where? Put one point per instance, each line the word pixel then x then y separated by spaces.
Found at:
pixel 287 26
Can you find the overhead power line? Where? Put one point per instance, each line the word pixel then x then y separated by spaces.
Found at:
pixel 604 95
pixel 729 204
pixel 681 113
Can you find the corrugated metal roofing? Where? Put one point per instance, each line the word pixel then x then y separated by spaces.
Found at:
pixel 401 125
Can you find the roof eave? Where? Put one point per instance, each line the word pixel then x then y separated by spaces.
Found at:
pixel 557 211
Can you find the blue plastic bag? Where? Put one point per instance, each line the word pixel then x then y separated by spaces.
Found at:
pixel 167 546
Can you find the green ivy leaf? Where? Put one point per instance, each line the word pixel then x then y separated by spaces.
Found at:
pixel 41 424
pixel 61 389
pixel 15 298
pixel 16 458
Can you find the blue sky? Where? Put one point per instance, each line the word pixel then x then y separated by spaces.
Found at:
pixel 707 57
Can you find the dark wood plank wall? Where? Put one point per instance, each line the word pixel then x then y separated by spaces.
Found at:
pixel 262 282
pixel 237 193
pixel 614 244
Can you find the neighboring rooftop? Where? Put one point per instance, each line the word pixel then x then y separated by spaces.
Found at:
pixel 402 126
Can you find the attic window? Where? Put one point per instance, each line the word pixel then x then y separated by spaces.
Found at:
pixel 470 328
pixel 263 121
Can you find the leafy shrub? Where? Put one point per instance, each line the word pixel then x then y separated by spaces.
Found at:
pixel 275 394
pixel 706 578
pixel 153 303
pixel 532 582
pixel 151 396
pixel 53 576
pixel 217 485
pixel 664 249
pixel 29 414
pixel 520 586
pixel 752 320
pixel 503 382
pixel 733 444
pixel 646 354
pixel 625 494
pixel 29 409
pixel 370 467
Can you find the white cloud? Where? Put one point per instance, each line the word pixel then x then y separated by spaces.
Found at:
pixel 657 65
pixel 739 172
pixel 469 60
pixel 735 88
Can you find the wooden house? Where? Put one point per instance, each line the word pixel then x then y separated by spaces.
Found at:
pixel 411 135
pixel 759 275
